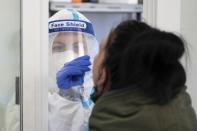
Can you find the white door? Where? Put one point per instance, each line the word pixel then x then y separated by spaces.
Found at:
pixel 10 67
pixel 23 65
pixel 189 31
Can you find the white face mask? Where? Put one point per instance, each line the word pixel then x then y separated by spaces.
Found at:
pixel 59 59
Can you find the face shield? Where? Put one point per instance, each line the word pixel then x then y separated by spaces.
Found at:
pixel 70 39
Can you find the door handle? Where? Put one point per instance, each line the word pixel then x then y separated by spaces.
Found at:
pixel 18 89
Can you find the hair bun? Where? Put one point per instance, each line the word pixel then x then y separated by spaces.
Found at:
pixel 162 47
pixel 151 61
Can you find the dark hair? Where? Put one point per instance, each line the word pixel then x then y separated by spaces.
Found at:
pixel 147 58
pixel 151 62
pixel 117 42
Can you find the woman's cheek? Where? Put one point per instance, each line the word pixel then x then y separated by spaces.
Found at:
pixel 95 70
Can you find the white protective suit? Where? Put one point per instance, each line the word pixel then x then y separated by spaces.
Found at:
pixel 12 116
pixel 71 31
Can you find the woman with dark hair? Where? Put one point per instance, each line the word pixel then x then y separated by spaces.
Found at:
pixel 140 82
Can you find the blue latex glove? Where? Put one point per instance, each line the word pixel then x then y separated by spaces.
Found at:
pixel 72 74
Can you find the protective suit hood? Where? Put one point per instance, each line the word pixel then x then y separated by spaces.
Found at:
pixel 71 35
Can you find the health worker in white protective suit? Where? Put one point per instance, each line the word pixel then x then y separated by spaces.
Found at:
pixel 72 47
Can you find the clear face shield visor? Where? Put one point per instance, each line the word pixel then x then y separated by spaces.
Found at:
pixel 65 46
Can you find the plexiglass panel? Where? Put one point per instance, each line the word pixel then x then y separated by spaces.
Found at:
pixel 10 65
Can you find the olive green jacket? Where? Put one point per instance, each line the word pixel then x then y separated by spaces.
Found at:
pixel 126 110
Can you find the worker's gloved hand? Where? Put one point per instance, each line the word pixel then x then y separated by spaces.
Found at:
pixel 72 74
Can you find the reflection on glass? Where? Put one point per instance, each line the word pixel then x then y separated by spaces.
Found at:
pixel 10 65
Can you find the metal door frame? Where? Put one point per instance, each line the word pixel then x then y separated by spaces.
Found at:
pixel 150 12
pixel 34 48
